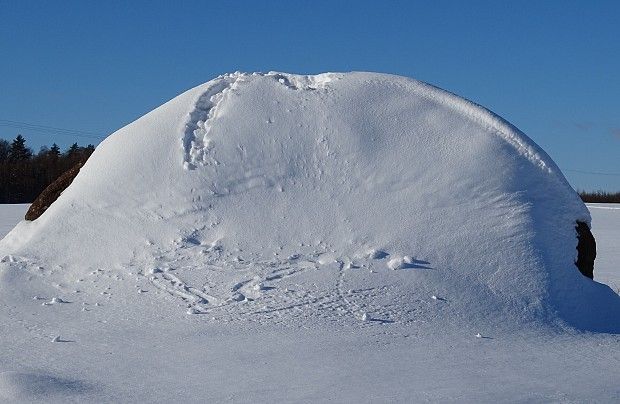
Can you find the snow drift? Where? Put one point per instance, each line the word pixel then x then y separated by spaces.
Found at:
pixel 351 196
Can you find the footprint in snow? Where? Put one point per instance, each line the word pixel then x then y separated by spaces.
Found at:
pixel 55 300
pixel 58 339
pixel 376 254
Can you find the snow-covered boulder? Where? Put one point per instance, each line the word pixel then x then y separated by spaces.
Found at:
pixel 248 169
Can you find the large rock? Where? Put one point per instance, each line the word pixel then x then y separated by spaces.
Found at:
pixel 52 192
pixel 586 250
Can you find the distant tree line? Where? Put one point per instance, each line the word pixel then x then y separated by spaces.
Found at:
pixel 25 174
pixel 600 197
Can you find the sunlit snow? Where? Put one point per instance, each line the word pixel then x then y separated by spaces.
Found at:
pixel 350 237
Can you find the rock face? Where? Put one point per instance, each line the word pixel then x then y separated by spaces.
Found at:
pixel 586 250
pixel 52 192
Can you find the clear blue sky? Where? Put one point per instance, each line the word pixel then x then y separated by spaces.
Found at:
pixel 552 68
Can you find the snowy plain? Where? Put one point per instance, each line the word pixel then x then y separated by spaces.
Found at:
pixel 109 361
pixel 606 230
pixel 10 215
pixel 341 237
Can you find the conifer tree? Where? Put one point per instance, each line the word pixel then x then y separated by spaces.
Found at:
pixel 73 149
pixel 54 150
pixel 18 150
pixel 4 149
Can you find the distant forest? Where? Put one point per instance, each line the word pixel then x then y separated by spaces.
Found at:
pixel 600 197
pixel 25 174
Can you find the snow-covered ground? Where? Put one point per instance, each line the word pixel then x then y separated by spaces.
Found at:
pixel 606 230
pixel 342 237
pixel 110 359
pixel 10 215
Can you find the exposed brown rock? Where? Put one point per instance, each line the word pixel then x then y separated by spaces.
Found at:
pixel 586 250
pixel 52 192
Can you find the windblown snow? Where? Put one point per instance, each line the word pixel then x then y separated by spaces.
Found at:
pixel 354 200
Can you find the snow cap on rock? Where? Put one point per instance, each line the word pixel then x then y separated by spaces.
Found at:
pixel 373 165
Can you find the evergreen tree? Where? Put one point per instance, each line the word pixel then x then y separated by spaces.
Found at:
pixel 73 150
pixel 18 150
pixel 4 149
pixel 54 150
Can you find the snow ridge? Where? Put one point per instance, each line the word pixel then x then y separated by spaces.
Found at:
pixel 488 118
pixel 298 82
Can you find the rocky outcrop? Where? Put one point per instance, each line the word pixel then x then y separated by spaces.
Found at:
pixel 52 192
pixel 586 250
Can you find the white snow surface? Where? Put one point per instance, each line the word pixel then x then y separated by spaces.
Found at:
pixel 606 229
pixel 8 215
pixel 303 238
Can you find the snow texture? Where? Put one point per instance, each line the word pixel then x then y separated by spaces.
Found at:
pixel 8 213
pixel 273 226
pixel 606 229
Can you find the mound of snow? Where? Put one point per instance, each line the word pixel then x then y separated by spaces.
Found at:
pixel 260 193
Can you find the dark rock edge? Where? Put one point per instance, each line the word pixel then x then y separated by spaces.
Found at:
pixel 586 250
pixel 52 192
